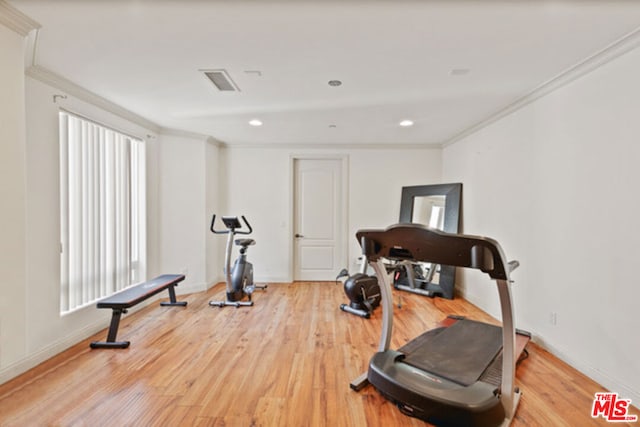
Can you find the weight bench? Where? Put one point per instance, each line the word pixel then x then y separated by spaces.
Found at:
pixel 121 301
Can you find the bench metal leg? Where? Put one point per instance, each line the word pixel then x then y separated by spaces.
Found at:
pixel 172 298
pixel 113 332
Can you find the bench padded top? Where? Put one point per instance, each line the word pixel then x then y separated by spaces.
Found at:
pixel 135 294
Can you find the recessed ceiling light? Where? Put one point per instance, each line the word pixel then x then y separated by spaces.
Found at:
pixel 255 122
pixel 335 82
pixel 406 123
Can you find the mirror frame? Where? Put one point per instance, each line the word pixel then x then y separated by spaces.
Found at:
pixel 452 215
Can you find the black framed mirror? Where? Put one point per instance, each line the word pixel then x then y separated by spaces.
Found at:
pixel 437 206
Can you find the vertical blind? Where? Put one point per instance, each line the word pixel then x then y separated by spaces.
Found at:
pixel 102 211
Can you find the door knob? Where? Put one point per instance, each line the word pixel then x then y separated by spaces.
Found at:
pixel 299 235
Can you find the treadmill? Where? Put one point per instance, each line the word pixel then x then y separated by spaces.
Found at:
pixel 461 373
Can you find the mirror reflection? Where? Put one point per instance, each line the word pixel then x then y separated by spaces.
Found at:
pixel 429 210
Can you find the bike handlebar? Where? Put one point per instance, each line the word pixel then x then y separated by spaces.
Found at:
pixel 248 226
pixel 233 225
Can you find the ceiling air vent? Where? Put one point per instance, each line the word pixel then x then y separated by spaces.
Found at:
pixel 221 80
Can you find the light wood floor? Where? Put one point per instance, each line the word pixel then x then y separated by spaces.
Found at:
pixel 287 361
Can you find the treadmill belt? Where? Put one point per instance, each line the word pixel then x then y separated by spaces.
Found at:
pixel 459 353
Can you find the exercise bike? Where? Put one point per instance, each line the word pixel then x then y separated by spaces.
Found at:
pixel 239 279
pixel 362 290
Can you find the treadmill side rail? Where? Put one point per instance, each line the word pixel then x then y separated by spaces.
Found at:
pixel 508 349
pixel 386 303
pixel 360 382
pixel 387 317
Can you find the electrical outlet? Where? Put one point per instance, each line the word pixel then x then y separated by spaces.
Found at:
pixel 553 318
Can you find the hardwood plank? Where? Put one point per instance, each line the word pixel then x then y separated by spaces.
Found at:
pixel 287 360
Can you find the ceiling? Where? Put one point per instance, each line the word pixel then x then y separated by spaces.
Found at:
pixel 445 65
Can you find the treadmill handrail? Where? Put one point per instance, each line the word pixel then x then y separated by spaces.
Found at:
pixel 419 243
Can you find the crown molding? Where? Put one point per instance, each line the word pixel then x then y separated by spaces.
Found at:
pixel 338 147
pixel 192 135
pixel 52 79
pixel 614 50
pixel 15 20
pixel 213 141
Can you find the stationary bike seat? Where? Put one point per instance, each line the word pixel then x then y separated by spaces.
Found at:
pixel 245 242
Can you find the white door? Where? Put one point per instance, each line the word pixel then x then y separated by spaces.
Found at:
pixel 318 219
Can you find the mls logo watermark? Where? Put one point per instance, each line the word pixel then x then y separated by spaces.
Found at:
pixel 612 408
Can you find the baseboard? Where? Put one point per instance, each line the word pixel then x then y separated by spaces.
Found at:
pixel 191 288
pixel 608 383
pixel 32 360
pixel 273 279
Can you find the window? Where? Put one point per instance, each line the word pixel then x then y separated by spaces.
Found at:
pixel 102 213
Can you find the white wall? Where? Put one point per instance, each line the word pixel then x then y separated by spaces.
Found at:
pixel 375 186
pixel 258 185
pixel 182 208
pixel 556 184
pixel 13 225
pixel 188 184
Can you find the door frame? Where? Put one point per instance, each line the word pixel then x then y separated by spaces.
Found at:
pixel 343 216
